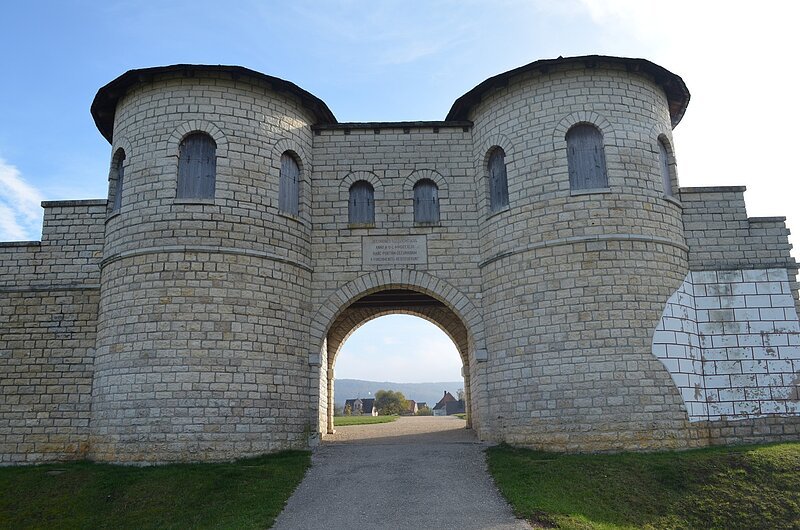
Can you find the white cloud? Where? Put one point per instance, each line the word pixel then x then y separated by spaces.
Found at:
pixel 20 210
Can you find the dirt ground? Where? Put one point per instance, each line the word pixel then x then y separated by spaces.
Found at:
pixel 406 430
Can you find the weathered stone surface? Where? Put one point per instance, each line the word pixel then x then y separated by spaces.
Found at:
pixel 175 329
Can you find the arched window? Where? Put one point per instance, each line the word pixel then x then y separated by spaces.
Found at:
pixel 119 179
pixel 289 198
pixel 663 159
pixel 498 180
pixel 361 207
pixel 586 158
pixel 197 167
pixel 426 202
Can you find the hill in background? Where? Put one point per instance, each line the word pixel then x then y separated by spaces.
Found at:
pixel 431 393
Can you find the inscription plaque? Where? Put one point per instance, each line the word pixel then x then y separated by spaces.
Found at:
pixel 395 250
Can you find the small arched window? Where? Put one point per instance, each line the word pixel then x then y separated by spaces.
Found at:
pixel 289 198
pixel 586 158
pixel 197 167
pixel 426 202
pixel 118 174
pixel 663 162
pixel 361 207
pixel 498 180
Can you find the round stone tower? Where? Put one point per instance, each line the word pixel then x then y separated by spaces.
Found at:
pixel 206 262
pixel 575 272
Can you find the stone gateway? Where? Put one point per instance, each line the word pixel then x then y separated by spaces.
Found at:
pixel 196 312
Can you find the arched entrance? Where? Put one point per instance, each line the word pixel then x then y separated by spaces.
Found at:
pixel 411 293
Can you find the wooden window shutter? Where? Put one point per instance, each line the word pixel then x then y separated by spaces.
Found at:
pixel 426 202
pixel 120 170
pixel 586 158
pixel 361 208
pixel 498 180
pixel 197 167
pixel 663 159
pixel 289 189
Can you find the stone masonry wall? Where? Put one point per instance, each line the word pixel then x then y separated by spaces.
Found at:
pixel 206 329
pixel 721 236
pixel 575 280
pixel 393 158
pixel 200 350
pixel 49 292
pixel 731 340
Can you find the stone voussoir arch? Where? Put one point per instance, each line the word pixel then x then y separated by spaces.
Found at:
pixel 582 116
pixel 121 142
pixel 287 144
pixel 376 281
pixel 197 126
pixel 484 149
pixel 377 188
pixel 354 176
pixel 659 133
pixel 420 174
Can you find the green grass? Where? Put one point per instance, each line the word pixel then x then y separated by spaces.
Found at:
pixel 344 421
pixel 747 487
pixel 243 494
pixel 462 416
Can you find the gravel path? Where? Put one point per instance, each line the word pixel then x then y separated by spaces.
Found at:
pixel 417 472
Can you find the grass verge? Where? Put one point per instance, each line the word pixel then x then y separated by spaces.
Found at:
pixel 750 487
pixel 247 493
pixel 344 421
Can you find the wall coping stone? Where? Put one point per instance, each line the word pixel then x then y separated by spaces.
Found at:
pixel 711 189
pixel 7 244
pixel 777 219
pixel 80 202
pixel 391 125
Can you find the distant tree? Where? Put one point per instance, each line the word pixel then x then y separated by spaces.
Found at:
pixel 424 411
pixel 348 410
pixel 390 402
pixel 460 394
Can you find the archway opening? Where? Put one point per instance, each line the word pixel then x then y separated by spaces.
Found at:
pixel 365 319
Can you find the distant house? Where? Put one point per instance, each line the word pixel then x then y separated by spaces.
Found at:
pixel 448 405
pixel 413 406
pixel 361 407
pixel 421 405
pixel 454 407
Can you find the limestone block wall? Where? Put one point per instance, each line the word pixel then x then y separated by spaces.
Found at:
pixel 205 329
pixel 721 236
pixel 731 340
pixel 49 292
pixel 575 280
pixel 729 334
pixel 200 347
pixel 393 157
pixel 676 342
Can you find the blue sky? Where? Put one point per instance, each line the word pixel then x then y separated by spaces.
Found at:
pixel 396 60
